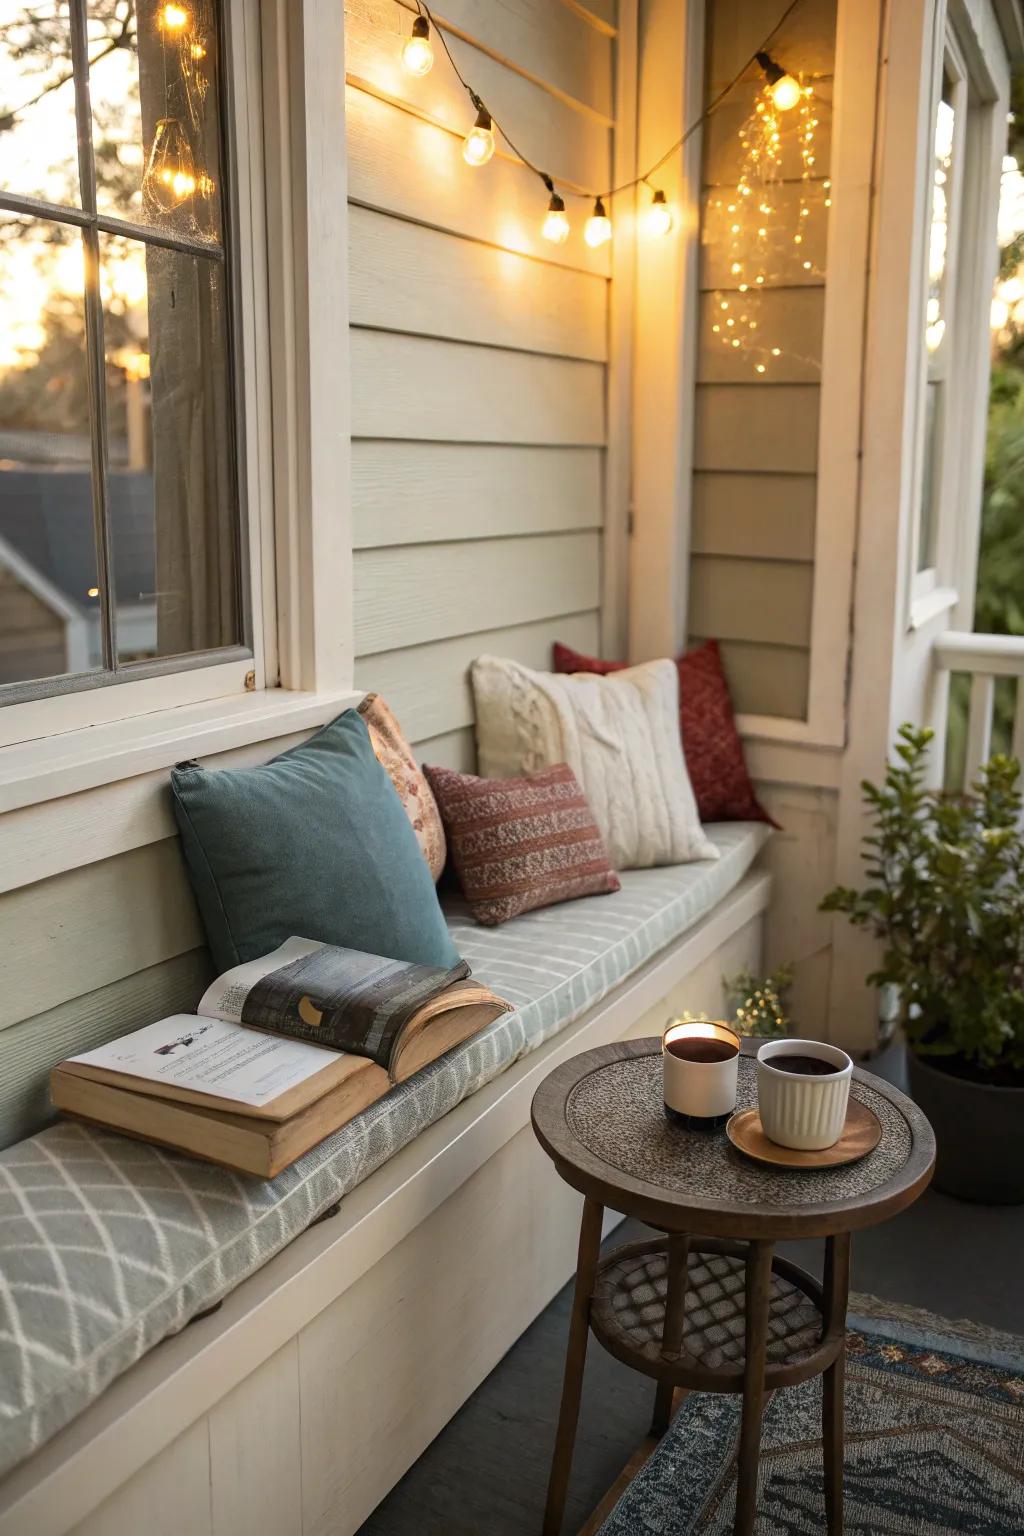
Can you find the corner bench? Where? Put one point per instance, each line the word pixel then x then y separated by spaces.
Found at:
pixel 343 1345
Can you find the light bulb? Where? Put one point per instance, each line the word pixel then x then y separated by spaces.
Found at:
pixel 659 216
pixel 785 91
pixel 478 145
pixel 174 18
pixel 598 228
pixel 556 222
pixel 417 55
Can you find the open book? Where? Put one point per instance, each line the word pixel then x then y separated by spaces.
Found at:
pixel 281 1051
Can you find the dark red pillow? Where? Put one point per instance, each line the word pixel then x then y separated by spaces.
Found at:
pixel 711 742
pixel 518 844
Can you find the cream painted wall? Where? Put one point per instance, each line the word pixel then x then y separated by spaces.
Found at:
pixel 479 353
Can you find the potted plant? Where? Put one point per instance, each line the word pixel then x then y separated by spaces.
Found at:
pixel 946 898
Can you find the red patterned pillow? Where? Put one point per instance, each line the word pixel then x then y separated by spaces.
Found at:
pixel 518 844
pixel 711 742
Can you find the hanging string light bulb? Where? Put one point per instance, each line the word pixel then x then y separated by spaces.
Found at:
pixel 174 19
pixel 658 220
pixel 785 91
pixel 418 55
pixel 598 228
pixel 170 175
pixel 556 221
pixel 478 145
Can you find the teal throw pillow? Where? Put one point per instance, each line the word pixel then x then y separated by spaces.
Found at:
pixel 316 843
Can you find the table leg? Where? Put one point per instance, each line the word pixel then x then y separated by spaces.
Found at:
pixel 836 1289
pixel 758 1294
pixel 672 1332
pixel 575 1359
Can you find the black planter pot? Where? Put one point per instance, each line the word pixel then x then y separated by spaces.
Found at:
pixel 979 1131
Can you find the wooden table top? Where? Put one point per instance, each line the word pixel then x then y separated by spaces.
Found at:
pixel 600 1117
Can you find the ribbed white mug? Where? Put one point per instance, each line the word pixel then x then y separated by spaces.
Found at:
pixel 804 1112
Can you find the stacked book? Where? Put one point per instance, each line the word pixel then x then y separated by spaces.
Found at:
pixel 281 1052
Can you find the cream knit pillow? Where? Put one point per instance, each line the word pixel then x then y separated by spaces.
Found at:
pixel 619 735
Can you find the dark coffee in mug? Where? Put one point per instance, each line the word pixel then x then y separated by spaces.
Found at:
pixel 803 1066
pixel 701 1050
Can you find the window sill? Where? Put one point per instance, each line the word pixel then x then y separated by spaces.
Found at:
pixel 52 766
pixel 930 606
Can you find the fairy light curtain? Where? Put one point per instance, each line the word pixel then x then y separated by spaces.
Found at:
pixel 770 224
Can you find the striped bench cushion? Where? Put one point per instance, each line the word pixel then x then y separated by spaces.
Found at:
pixel 109 1245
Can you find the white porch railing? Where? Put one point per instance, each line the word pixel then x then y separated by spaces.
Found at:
pixel 984 658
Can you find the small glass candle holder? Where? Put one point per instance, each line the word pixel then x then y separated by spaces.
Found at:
pixel 700 1066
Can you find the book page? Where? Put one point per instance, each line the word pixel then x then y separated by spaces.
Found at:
pixel 225 997
pixel 212 1056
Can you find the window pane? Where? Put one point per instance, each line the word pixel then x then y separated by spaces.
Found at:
pixel 49 608
pixel 936 325
pixel 38 136
pixel 926 527
pixel 170 485
pixel 156 126
pixel 938 237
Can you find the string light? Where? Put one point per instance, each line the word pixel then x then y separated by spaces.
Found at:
pixel 478 145
pixel 418 55
pixel 556 222
pixel 785 91
pixel 598 228
pixel 170 175
pixel 659 216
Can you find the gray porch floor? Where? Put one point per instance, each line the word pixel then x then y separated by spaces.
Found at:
pixel 485 1474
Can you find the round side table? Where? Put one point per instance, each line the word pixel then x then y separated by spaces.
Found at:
pixel 716 1312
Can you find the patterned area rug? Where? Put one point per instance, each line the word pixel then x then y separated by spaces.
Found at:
pixel 934 1442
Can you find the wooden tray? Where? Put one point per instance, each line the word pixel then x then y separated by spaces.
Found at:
pixel 861 1135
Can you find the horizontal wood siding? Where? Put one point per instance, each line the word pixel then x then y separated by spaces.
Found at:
pixel 758 368
pixel 479 353
pixel 31 1047
pixel 478 356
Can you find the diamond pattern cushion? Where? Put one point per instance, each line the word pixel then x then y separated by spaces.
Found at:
pixel 109 1245
pixel 519 844
pixel 711 742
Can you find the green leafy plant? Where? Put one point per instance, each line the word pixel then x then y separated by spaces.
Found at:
pixel 759 1007
pixel 946 897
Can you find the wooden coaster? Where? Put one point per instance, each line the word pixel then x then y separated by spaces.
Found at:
pixel 861 1135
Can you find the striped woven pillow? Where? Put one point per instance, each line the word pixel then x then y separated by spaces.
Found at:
pixel 522 843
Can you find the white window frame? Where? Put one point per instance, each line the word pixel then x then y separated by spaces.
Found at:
pixel 967 45
pixel 285 83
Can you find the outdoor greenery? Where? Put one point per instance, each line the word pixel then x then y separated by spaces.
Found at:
pixel 999 594
pixel 946 897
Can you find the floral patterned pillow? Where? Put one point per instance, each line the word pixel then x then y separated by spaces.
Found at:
pixel 395 756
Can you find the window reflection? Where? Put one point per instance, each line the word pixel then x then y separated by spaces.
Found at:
pixel 936 318
pixel 173 550
pixel 49 595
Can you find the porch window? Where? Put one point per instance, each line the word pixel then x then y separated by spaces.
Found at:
pixel 945 223
pixel 120 549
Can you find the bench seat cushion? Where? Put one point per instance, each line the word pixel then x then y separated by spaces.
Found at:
pixel 108 1245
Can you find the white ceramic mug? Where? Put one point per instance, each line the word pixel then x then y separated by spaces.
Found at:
pixel 803 1111
pixel 701 1091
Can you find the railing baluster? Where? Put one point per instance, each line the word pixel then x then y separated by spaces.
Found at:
pixel 979 725
pixel 1018 723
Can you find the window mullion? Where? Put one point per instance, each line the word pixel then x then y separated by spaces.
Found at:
pixel 95 361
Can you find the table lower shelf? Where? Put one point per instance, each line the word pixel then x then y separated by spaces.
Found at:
pixel 627 1315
